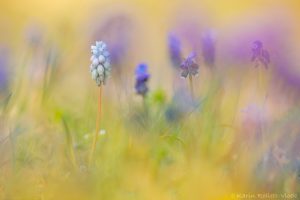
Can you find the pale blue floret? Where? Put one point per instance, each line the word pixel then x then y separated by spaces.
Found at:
pixel 100 63
pixel 106 65
pixel 106 54
pixel 101 59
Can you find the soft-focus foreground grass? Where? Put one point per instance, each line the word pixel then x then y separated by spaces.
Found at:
pixel 141 156
pixel 159 161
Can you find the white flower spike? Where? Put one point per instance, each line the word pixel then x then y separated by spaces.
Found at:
pixel 100 67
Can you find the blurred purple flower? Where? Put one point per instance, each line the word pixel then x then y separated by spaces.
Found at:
pixel 260 55
pixel 189 66
pixel 141 77
pixel 4 77
pixel 174 50
pixel 236 45
pixel 189 31
pixel 208 48
pixel 116 31
pixel 286 70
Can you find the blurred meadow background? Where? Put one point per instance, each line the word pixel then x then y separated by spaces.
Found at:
pixel 231 132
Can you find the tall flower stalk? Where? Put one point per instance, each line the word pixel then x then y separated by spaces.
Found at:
pixel 100 69
pixel 191 86
pixel 189 69
pixel 260 56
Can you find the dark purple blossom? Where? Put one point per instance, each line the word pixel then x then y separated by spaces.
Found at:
pixel 141 77
pixel 189 66
pixel 208 49
pixel 174 50
pixel 260 55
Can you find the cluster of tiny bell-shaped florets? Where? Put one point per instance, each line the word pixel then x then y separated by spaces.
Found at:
pixel 100 67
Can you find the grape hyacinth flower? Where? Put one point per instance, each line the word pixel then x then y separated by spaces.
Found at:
pixel 190 68
pixel 174 50
pixel 141 77
pixel 208 49
pixel 260 55
pixel 100 67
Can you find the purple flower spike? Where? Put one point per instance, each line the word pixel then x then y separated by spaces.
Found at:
pixel 260 55
pixel 208 48
pixel 4 75
pixel 141 77
pixel 174 50
pixel 189 66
